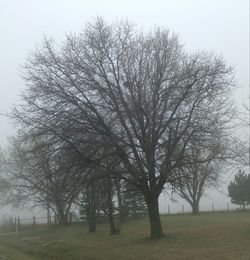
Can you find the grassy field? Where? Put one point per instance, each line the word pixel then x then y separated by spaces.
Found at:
pixel 208 236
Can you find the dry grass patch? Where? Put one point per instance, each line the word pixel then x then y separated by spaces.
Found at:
pixel 208 236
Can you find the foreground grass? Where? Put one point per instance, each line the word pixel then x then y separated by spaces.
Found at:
pixel 208 236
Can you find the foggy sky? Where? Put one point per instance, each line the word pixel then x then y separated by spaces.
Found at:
pixel 221 26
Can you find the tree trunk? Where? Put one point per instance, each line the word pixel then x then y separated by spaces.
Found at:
pixel 110 209
pixel 48 214
pixel 91 218
pixel 111 221
pixel 195 207
pixel 119 199
pixel 91 210
pixel 156 230
pixel 62 217
pixel 92 224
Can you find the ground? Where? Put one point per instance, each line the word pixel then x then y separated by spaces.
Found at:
pixel 208 236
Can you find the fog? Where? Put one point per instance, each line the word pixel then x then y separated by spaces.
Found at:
pixel 218 26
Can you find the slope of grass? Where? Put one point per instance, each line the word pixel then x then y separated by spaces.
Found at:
pixel 208 236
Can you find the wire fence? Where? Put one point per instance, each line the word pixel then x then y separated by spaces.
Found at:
pixel 11 224
pixel 186 209
pixel 17 224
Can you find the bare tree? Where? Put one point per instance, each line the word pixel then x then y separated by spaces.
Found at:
pixel 139 94
pixel 43 177
pixel 202 169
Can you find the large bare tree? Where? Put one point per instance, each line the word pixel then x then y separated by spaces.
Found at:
pixel 139 94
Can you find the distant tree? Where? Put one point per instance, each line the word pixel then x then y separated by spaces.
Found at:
pixel 47 177
pixel 140 94
pixel 97 199
pixel 200 170
pixel 90 197
pixel 239 189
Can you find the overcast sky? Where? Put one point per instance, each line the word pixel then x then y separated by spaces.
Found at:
pixel 221 26
pixel 218 25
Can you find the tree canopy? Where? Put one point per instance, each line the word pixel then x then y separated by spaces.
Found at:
pixel 139 96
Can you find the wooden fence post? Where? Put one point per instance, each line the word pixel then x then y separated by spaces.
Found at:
pixel 168 209
pixel 182 208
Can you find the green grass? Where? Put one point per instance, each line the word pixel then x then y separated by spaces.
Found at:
pixel 208 236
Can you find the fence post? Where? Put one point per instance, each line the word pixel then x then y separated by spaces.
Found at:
pixel 182 208
pixel 70 217
pixel 227 206
pixel 212 207
pixel 16 226
pixel 18 222
pixel 168 209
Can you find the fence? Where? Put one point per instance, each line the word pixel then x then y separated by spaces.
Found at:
pixel 184 209
pixel 16 224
